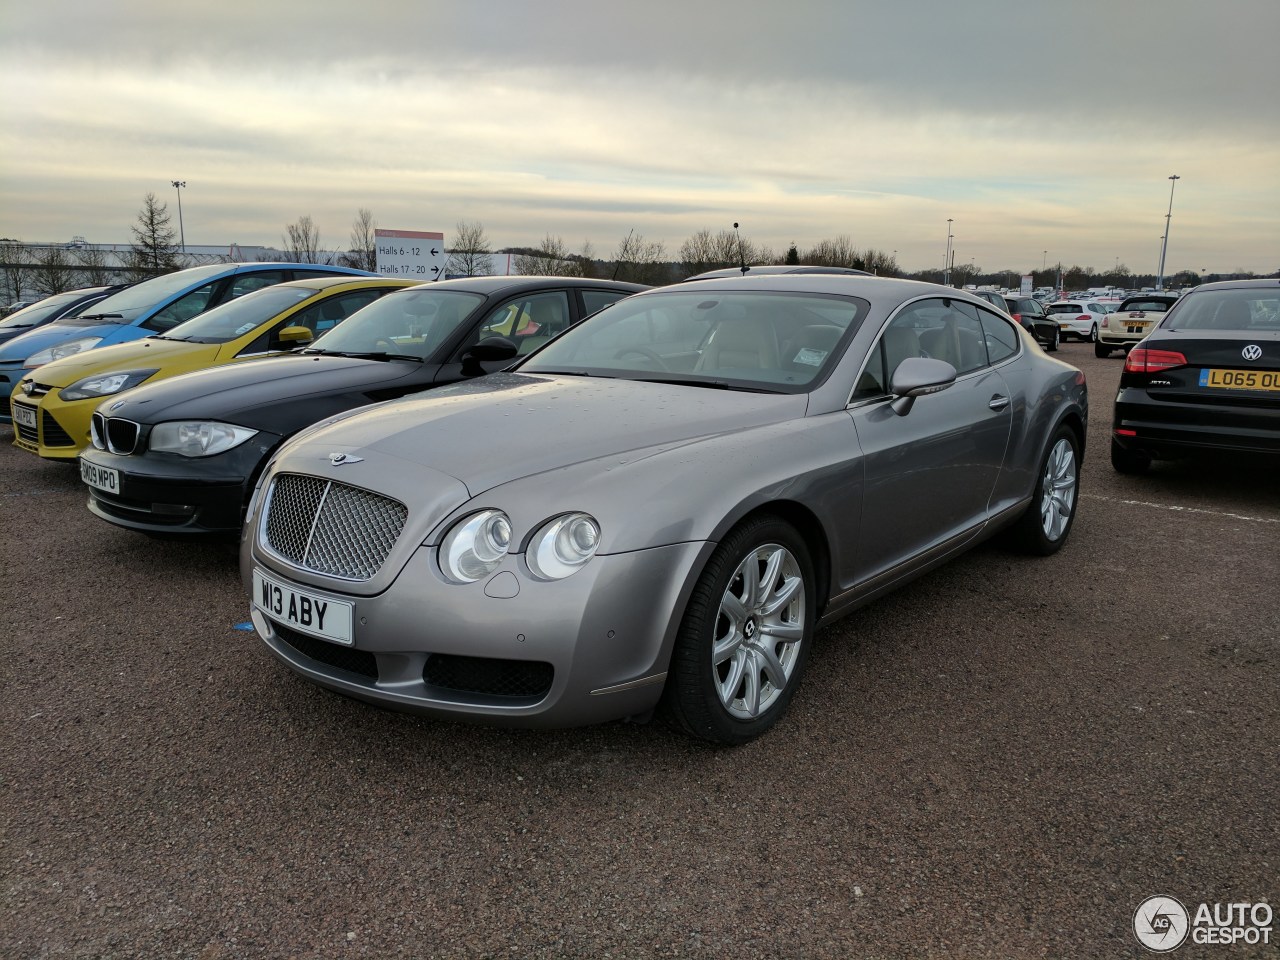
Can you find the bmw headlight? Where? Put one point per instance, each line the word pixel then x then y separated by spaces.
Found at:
pixel 103 384
pixel 475 546
pixel 563 545
pixel 67 348
pixel 197 438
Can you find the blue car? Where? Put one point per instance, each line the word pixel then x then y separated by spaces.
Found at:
pixel 143 309
pixel 53 307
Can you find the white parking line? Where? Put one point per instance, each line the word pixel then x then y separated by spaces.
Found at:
pixel 1178 509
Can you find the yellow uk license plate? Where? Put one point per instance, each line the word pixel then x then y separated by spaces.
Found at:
pixel 1241 379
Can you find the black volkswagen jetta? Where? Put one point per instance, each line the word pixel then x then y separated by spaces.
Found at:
pixel 181 456
pixel 1207 379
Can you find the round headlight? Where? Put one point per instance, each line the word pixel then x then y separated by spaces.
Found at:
pixel 563 545
pixel 475 546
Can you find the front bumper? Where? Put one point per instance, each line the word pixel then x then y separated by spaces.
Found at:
pixel 169 494
pixel 61 429
pixel 510 649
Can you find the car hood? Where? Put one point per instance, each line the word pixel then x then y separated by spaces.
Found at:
pixel 120 357
pixel 500 428
pixel 251 392
pixel 33 341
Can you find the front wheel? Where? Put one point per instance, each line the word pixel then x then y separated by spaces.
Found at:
pixel 745 636
pixel 1044 527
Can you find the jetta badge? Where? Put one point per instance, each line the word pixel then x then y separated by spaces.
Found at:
pixel 1251 352
pixel 338 459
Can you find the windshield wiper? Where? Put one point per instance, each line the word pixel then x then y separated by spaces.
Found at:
pixel 710 384
pixel 568 373
pixel 101 316
pixel 371 355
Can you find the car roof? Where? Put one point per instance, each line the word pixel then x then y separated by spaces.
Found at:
pixel 503 284
pixel 1254 284
pixel 773 269
pixel 323 283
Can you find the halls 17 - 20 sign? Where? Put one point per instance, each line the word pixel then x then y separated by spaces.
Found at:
pixel 412 254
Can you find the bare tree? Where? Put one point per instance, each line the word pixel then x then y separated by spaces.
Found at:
pixel 153 251
pixel 92 264
pixel 302 241
pixel 469 255
pixel 363 254
pixel 551 259
pixel 728 248
pixel 641 261
pixel 15 263
pixel 837 252
pixel 55 271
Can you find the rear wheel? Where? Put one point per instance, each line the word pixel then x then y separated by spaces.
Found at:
pixel 1100 349
pixel 745 637
pixel 1044 527
pixel 1093 334
pixel 1057 338
pixel 1128 461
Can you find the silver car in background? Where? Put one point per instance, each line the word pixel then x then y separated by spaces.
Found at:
pixel 658 508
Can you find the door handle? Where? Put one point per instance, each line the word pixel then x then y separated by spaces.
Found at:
pixel 998 402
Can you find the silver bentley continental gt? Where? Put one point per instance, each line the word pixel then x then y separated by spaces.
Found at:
pixel 658 508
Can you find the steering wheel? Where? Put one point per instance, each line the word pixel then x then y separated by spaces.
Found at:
pixel 651 355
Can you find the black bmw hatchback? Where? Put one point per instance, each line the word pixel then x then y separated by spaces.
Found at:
pixel 1207 379
pixel 181 456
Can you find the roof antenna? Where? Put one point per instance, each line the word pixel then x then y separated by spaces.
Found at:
pixel 742 259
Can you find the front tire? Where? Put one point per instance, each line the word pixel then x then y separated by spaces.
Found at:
pixel 745 636
pixel 1044 527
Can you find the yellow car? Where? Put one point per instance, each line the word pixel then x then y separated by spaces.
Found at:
pixel 52 406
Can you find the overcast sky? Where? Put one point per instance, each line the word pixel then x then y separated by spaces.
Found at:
pixel 1044 131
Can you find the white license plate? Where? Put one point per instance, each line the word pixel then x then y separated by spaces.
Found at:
pixel 100 478
pixel 24 416
pixel 303 611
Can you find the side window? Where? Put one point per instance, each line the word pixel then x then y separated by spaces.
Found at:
pixel 1001 338
pixel 249 282
pixel 184 308
pixel 318 318
pixel 529 321
pixel 874 382
pixel 593 301
pixel 971 341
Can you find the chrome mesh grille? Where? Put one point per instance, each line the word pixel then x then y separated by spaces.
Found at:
pixel 331 528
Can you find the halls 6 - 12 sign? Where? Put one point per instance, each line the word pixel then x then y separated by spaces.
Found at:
pixel 412 254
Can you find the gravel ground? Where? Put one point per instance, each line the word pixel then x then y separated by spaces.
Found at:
pixel 1001 760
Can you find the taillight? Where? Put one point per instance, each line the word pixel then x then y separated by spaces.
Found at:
pixel 1018 317
pixel 1150 360
pixel 1084 317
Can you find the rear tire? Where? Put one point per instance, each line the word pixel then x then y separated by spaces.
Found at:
pixel 1093 334
pixel 1044 527
pixel 1130 462
pixel 1053 344
pixel 1100 349
pixel 745 637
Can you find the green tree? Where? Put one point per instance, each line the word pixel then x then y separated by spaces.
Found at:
pixel 793 256
pixel 153 251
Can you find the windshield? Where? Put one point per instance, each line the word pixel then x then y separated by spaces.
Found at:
pixel 765 340
pixel 413 322
pixel 38 312
pixel 1066 308
pixel 238 317
pixel 1249 310
pixel 127 304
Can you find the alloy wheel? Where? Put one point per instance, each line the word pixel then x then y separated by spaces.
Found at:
pixel 1058 489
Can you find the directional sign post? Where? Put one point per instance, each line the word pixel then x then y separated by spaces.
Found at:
pixel 413 254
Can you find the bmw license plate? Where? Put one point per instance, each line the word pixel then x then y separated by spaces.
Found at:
pixel 100 478
pixel 303 611
pixel 23 416
pixel 1241 379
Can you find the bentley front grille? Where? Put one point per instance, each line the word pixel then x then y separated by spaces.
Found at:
pixel 331 528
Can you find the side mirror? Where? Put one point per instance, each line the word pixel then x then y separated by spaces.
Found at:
pixel 294 335
pixel 917 377
pixel 488 350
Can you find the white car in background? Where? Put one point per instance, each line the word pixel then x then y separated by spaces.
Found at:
pixel 1078 318
pixel 1137 317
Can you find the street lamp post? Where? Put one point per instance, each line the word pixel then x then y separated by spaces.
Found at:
pixel 1164 241
pixel 182 236
pixel 946 263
